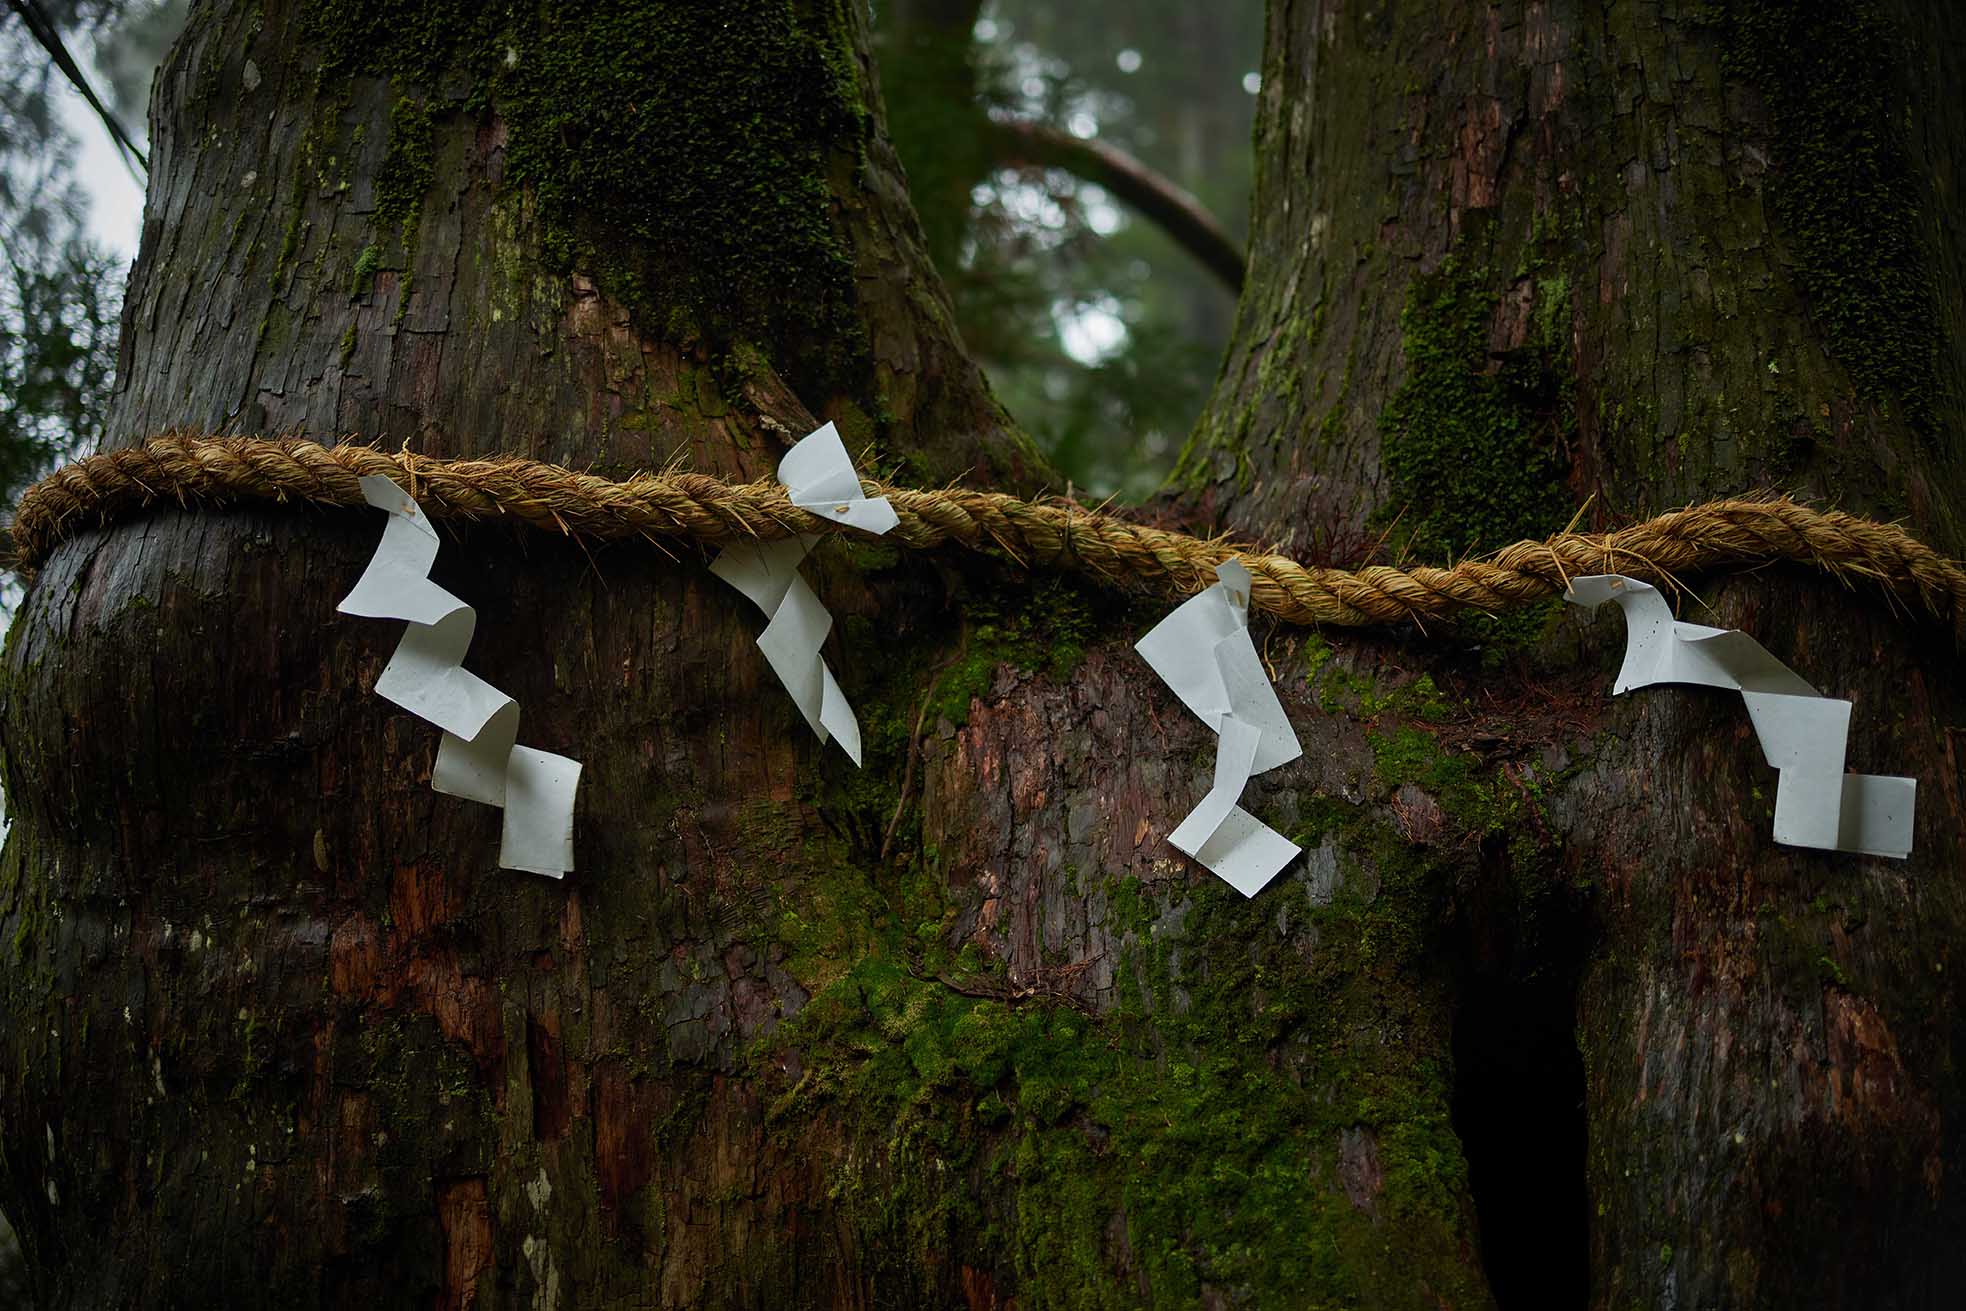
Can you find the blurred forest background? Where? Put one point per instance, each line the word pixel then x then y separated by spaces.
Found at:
pixel 1101 331
pixel 1082 171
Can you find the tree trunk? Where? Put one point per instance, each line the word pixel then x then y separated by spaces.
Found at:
pixel 1542 1011
pixel 1521 262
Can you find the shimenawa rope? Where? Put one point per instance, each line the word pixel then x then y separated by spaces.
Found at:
pixel 194 470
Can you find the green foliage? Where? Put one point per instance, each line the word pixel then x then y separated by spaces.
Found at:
pixel 60 296
pixel 1111 424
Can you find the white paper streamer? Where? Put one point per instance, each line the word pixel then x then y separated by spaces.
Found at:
pixel 1803 733
pixel 821 478
pixel 1204 653
pixel 479 757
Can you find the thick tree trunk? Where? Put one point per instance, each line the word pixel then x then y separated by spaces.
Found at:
pixel 1516 260
pixel 961 1029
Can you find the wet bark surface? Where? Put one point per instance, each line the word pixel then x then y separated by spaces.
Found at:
pixel 1541 1008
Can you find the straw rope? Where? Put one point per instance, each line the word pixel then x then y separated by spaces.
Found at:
pixel 190 470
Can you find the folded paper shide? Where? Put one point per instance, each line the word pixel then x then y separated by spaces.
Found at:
pixel 1204 653
pixel 479 757
pixel 819 475
pixel 1803 733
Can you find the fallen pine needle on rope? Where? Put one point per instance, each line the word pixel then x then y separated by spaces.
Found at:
pixel 187 471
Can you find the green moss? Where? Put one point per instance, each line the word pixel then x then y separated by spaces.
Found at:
pixel 1843 191
pixel 1127 907
pixel 1188 1139
pixel 1332 425
pixel 1179 1126
pixel 709 193
pixel 403 178
pixel 1471 442
pixel 1475 796
pixel 361 279
pixel 1039 624
pixel 431 1100
pixel 1343 692
pixel 252 1060
pixel 1506 634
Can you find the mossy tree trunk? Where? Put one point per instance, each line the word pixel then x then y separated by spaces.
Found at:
pixel 960 1029
pixel 1521 262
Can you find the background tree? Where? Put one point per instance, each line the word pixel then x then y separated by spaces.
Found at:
pixel 58 293
pixel 59 288
pixel 1095 297
pixel 1542 1011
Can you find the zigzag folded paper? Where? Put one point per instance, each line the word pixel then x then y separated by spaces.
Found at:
pixel 821 478
pixel 1803 733
pixel 479 757
pixel 1204 653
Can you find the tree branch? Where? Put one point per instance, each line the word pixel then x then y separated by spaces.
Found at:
pixel 1156 198
pixel 43 29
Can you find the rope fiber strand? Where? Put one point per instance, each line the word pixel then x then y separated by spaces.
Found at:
pixel 216 471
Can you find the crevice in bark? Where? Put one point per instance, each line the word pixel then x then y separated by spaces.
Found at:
pixel 1519 1090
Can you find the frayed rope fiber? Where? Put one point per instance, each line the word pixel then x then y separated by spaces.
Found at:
pixel 215 471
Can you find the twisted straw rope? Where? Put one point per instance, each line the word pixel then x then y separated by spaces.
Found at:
pixel 236 470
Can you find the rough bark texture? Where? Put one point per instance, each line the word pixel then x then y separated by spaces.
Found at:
pixel 960 1029
pixel 1512 256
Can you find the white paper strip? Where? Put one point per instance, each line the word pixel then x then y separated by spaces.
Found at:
pixel 1803 733
pixel 1204 653
pixel 820 477
pixel 479 757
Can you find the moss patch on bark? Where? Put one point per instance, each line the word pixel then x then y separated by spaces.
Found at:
pixel 1225 1129
pixel 1843 190
pixel 701 202
pixel 1153 1156
pixel 1472 439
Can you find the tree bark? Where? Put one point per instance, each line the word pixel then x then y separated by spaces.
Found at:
pixel 1514 263
pixel 1541 1011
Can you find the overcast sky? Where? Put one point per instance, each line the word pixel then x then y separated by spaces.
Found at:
pixel 116 211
